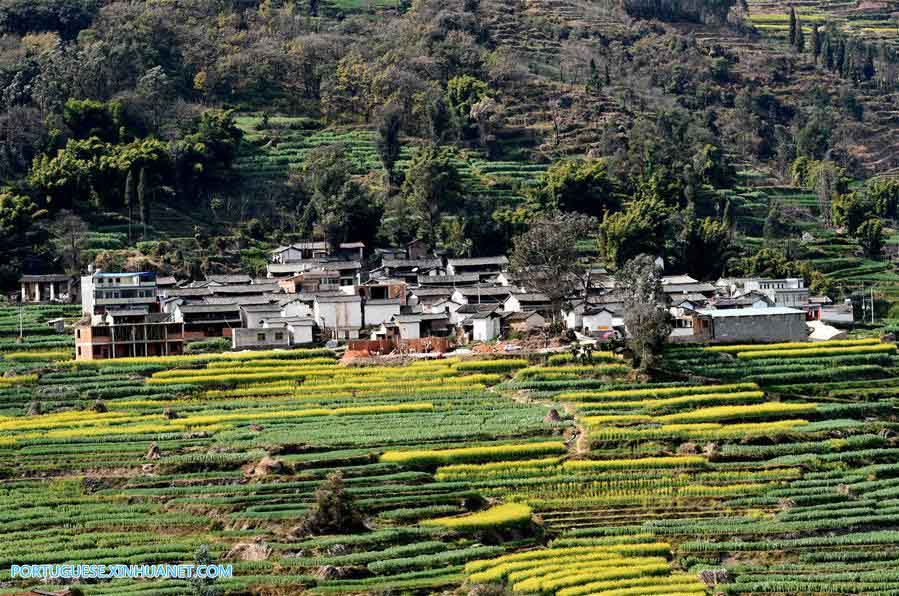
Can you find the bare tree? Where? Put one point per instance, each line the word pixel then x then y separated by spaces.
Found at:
pixel 69 234
pixel 547 256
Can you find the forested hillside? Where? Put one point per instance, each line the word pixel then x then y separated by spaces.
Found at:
pixel 191 135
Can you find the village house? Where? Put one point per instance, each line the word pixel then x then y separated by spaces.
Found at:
pixel 521 322
pixel 590 319
pixel 300 251
pixel 485 326
pixel 127 333
pixel 428 295
pixel 481 295
pixel 416 326
pixel 255 315
pixel 772 324
pixel 485 267
pixel 409 270
pixel 238 279
pixel 464 279
pixel 383 289
pixel 55 287
pixel 117 291
pixel 529 302
pixel 300 329
pixel 338 315
pixel 259 338
pixel 311 282
pixel 208 320
pixel 376 312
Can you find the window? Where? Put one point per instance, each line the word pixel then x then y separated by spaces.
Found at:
pixel 78 335
pixel 79 350
pixel 260 337
pixel 279 335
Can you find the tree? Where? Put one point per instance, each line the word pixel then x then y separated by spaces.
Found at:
pixel 883 194
pixel 792 27
pixel 870 236
pixel 130 191
pixel 204 586
pixel 488 116
pixel 580 185
pixel 69 234
pixel 547 255
pixel 816 43
pixel 641 228
pixel 340 205
pixel 432 187
pixel 143 204
pixel 333 510
pixel 388 142
pixel 800 37
pixel 851 210
pixel 646 318
pixel 707 248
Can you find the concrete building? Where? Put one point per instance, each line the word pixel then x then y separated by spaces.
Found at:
pixel 428 295
pixel 773 324
pixel 299 328
pixel 311 282
pixel 417 326
pixel 481 295
pixel 208 320
pixel 383 289
pixel 56 287
pixel 260 338
pixel 485 326
pixel 255 315
pixel 117 291
pixel 300 251
pixel 376 312
pixel 529 302
pixel 484 267
pixel 128 333
pixel 338 315
pixel 409 270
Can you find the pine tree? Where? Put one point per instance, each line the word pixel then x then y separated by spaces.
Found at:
pixel 827 52
pixel 142 199
pixel 129 201
pixel 839 56
pixel 800 37
pixel 594 84
pixel 792 27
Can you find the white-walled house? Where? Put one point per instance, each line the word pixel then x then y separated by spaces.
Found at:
pixel 339 315
pixel 376 312
pixel 585 318
pixel 299 328
pixel 485 326
pixel 255 315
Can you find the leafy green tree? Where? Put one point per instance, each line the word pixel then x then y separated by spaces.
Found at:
pixel 851 210
pixel 130 192
pixel 580 185
pixel 707 248
pixel 646 317
pixel 462 93
pixel 431 188
pixel 870 236
pixel 17 216
pixel 884 196
pixel 89 118
pixel 776 225
pixel 143 201
pixel 641 228
pixel 340 205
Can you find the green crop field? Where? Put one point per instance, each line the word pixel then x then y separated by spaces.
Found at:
pixel 777 475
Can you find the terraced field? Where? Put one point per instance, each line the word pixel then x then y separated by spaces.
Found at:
pixel 272 152
pixel 751 469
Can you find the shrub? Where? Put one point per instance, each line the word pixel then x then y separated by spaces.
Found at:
pixel 333 511
pixel 207 346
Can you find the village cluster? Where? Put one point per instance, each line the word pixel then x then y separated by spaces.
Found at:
pixel 387 299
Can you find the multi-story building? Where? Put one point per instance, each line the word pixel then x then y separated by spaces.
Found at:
pixel 128 333
pixel 101 292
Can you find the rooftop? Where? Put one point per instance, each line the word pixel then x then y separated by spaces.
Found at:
pixel 476 261
pixel 749 312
